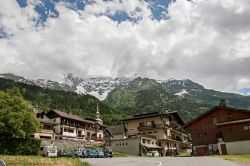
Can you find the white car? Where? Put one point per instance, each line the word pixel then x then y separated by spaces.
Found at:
pixel 2 163
pixel 155 154
pixel 50 151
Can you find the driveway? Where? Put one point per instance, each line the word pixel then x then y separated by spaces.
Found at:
pixel 163 161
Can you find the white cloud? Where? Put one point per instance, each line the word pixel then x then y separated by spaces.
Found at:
pixel 206 41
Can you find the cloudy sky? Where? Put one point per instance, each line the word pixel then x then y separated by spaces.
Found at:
pixel 207 41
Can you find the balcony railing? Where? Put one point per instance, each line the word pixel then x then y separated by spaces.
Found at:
pixel 90 128
pixel 73 125
pixel 154 126
pixel 51 121
pixel 47 131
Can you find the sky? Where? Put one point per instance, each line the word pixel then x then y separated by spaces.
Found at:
pixel 206 41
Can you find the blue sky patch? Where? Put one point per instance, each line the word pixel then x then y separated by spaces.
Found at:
pixel 46 9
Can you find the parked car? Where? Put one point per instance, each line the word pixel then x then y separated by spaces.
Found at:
pixel 108 152
pixel 155 154
pixel 90 153
pixel 79 152
pixel 71 153
pixel 50 151
pixel 2 163
pixel 61 153
pixel 99 154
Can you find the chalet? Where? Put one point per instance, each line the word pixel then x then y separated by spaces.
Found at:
pixel 61 125
pixel 222 129
pixel 162 129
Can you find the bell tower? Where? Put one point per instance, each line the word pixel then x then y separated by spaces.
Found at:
pixel 98 116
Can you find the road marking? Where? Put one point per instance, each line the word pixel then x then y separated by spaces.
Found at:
pixel 159 164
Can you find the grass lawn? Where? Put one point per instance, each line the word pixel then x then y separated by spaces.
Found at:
pixel 184 154
pixel 116 154
pixel 40 161
pixel 241 158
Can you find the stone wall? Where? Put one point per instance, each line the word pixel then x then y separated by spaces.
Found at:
pixel 62 144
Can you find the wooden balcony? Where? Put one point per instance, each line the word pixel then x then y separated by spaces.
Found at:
pixel 90 128
pixel 154 126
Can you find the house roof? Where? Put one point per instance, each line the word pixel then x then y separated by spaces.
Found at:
pixel 67 115
pixel 153 114
pixel 213 109
pixel 70 116
pixel 117 129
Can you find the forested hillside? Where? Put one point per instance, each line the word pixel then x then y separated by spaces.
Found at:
pixel 45 99
pixel 188 98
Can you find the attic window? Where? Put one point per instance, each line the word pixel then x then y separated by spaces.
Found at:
pixel 247 127
pixel 229 116
pixel 214 120
pixel 142 124
pixel 149 123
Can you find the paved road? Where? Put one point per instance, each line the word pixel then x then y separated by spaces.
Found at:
pixel 163 161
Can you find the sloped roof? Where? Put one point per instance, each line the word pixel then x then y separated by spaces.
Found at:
pixel 117 129
pixel 153 114
pixel 66 115
pixel 213 109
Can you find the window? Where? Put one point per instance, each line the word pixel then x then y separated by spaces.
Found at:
pixel 142 124
pixel 229 116
pixel 126 143
pixel 150 132
pixel 247 127
pixel 155 131
pixel 149 123
pixel 199 135
pixel 143 141
pixel 214 120
pixel 205 133
pixel 69 130
pixel 116 144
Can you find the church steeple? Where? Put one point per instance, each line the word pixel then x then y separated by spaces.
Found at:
pixel 98 116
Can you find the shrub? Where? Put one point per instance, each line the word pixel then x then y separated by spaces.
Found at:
pixel 19 146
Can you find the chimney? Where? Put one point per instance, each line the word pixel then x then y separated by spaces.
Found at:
pixel 223 103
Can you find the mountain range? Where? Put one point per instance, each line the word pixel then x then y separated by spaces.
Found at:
pixel 133 95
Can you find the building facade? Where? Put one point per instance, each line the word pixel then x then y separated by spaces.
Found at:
pixel 47 127
pixel 137 145
pixel 61 125
pixel 221 130
pixel 165 126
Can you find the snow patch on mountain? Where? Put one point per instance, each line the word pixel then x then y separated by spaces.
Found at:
pixel 182 93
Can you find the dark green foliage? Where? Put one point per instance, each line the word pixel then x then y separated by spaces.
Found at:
pixel 46 99
pixel 15 118
pixel 19 146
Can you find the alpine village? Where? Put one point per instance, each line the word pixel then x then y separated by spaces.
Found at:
pixel 48 121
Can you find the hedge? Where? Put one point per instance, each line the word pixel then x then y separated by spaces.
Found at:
pixel 19 146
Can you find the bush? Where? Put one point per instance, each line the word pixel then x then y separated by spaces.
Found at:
pixel 19 146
